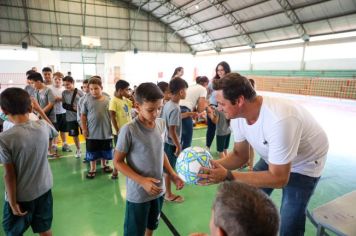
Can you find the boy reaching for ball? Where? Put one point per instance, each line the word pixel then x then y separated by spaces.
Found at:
pixel 172 115
pixel 140 142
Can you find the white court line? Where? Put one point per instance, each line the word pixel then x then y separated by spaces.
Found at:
pixel 198 138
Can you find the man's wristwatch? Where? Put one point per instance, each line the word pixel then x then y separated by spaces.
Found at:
pixel 229 176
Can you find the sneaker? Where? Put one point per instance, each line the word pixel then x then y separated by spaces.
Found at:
pixel 66 148
pixel 78 154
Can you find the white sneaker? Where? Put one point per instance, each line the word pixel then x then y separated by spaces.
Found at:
pixel 78 154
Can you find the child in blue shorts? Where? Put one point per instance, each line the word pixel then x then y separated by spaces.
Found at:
pixel 139 155
pixel 28 177
pixel 95 120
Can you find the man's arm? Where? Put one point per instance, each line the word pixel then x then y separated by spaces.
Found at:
pixel 149 184
pixel 277 176
pixel 10 185
pixel 237 157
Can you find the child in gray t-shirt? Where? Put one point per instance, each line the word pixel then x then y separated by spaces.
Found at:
pixel 139 155
pixel 97 128
pixel 223 131
pixel 172 115
pixel 28 177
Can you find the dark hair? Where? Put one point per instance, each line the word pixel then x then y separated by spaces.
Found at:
pixel 121 84
pixel 163 86
pixel 202 80
pixel 86 81
pixel 148 92
pixel 15 101
pixel 95 80
pixel 69 79
pixel 226 67
pixel 176 71
pixel 233 86
pixel 29 72
pixel 46 69
pixel 35 76
pixel 252 82
pixel 241 209
pixel 177 84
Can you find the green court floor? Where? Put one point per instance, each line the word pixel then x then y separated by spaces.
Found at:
pixel 96 207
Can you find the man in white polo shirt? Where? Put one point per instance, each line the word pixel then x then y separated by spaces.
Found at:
pixel 291 143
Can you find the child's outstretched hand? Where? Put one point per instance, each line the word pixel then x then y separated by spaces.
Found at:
pixel 150 185
pixel 16 210
pixel 179 183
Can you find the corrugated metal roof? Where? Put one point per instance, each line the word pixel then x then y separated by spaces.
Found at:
pixel 189 25
pixel 259 20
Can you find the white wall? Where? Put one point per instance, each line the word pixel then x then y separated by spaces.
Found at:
pixel 14 59
pixel 79 59
pixel 146 67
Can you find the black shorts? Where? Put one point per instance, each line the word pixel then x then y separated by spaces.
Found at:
pixel 73 128
pixel 222 142
pixel 39 216
pixel 61 123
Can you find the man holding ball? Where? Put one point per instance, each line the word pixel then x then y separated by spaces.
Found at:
pixel 292 145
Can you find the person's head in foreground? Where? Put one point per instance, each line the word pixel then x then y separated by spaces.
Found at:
pixel 242 210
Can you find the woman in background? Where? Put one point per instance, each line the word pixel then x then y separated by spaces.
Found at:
pixel 178 72
pixel 220 71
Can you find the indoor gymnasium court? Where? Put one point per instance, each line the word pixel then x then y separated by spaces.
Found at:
pixel 300 51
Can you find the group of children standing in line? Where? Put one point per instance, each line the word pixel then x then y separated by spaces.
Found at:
pixel 146 147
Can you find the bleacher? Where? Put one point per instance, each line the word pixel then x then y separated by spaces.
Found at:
pixel 338 84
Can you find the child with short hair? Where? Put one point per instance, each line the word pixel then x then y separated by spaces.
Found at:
pixel 43 95
pixel 120 111
pixel 139 155
pixel 28 177
pixel 172 115
pixel 46 100
pixel 70 98
pixel 85 89
pixel 47 75
pixel 97 128
pixel 164 87
pixel 61 124
pixel 29 87
pixel 223 131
